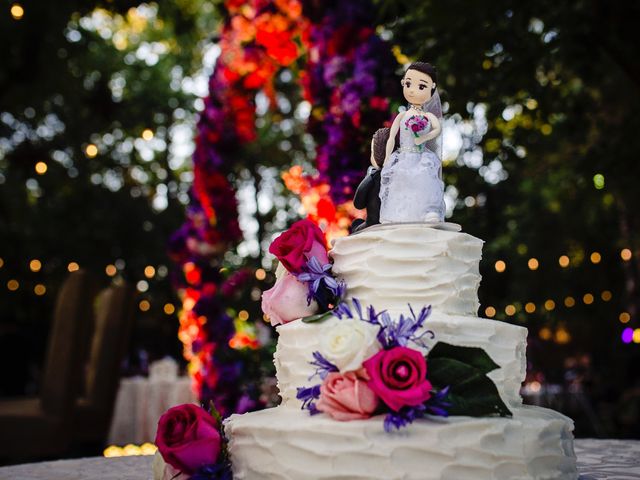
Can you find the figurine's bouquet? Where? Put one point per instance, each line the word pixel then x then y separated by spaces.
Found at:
pixel 369 363
pixel 417 124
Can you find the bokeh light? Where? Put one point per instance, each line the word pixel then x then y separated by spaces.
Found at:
pixel 530 307
pixel 598 181
pixel 73 267
pixel 510 310
pixel 549 305
pixel 261 274
pixel 587 299
pixel 149 271
pixel 17 12
pixel 147 134
pixel 625 254
pixel 169 308
pixel 40 289
pixel 35 265
pixel 490 312
pixel 606 295
pixel 91 150
pixel 595 258
pixel 111 270
pixel 500 266
pixel 569 302
pixel 41 168
pixel 13 285
pixel 144 305
pixel 624 317
pixel 533 264
pixel 627 335
pixel 564 261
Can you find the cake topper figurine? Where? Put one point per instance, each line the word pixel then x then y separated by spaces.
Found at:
pixel 411 187
pixel 368 192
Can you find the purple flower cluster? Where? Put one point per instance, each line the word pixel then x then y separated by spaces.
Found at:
pixel 348 80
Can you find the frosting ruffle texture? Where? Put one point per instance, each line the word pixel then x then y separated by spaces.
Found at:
pixel 391 266
pixel 285 444
pixel 505 344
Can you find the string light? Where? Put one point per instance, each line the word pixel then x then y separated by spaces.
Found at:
pixel 17 12
pixel 261 274
pixel 149 271
pixel 35 265
pixel 569 302
pixel 111 270
pixel 147 134
pixel 13 285
pixel 490 312
pixel 144 305
pixel 562 336
pixel 625 317
pixel 595 258
pixel 549 305
pixel 500 266
pixel 625 254
pixel 40 289
pixel 169 309
pixel 545 333
pixel 587 299
pixel 533 264
pixel 530 307
pixel 91 150
pixel 606 295
pixel 564 261
pixel 73 267
pixel 41 168
pixel 510 310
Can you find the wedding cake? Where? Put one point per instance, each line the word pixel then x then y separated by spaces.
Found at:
pixel 391 267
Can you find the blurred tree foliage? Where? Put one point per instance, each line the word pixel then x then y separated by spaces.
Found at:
pixel 547 95
pixel 102 93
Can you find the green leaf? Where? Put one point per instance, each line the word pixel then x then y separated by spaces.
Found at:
pixel 318 317
pixel 473 356
pixel 471 392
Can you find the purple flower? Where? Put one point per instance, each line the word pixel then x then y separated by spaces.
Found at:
pixel 403 417
pixel 323 366
pixel 308 395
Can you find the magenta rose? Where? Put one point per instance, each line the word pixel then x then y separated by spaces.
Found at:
pixel 297 245
pixel 346 397
pixel 398 377
pixel 287 300
pixel 188 438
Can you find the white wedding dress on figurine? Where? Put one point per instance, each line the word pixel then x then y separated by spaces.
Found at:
pixel 410 183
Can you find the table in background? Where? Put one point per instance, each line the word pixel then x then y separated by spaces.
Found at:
pixel 142 400
pixel 597 459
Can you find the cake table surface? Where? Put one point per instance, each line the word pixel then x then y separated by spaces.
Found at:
pixel 597 459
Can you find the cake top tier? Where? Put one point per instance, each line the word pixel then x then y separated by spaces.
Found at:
pixel 391 265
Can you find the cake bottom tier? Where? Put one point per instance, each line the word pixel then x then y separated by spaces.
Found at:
pixel 287 443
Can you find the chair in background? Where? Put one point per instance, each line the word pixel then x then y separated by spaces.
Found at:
pixel 108 345
pixel 41 426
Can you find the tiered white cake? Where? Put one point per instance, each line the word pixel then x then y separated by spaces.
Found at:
pixel 390 266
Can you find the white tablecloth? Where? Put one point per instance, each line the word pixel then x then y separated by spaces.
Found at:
pixel 140 403
pixel 597 459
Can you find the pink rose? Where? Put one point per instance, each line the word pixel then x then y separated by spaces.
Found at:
pixel 188 438
pixel 346 397
pixel 398 376
pixel 297 245
pixel 287 300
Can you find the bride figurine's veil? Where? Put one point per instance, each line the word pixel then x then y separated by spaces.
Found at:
pixel 434 106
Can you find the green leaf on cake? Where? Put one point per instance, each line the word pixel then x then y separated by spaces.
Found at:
pixel 318 317
pixel 463 370
pixel 474 356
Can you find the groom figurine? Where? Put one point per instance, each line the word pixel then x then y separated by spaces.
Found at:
pixel 368 192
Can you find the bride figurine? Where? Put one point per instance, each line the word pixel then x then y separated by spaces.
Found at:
pixel 411 186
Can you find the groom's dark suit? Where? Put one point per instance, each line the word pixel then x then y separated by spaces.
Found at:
pixel 368 196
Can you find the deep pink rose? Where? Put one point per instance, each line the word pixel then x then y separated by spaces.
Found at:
pixel 398 376
pixel 346 397
pixel 287 300
pixel 188 438
pixel 297 245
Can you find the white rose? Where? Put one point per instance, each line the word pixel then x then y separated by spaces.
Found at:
pixel 348 343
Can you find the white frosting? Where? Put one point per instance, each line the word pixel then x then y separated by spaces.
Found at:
pixel 390 267
pixel 287 444
pixel 504 343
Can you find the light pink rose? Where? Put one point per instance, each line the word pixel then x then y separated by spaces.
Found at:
pixel 346 397
pixel 287 301
pixel 398 377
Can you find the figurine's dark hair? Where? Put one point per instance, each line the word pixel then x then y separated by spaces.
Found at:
pixel 427 69
pixel 380 145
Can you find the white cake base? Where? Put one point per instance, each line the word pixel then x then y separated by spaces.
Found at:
pixel 284 443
